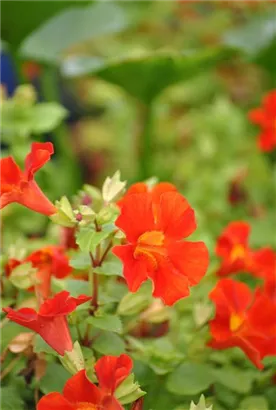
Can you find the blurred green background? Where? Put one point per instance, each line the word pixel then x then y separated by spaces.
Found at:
pixel 156 89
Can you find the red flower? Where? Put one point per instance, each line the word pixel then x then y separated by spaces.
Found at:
pixel 265 263
pixel 265 117
pixel 243 320
pixel 154 227
pixel 232 247
pixel 79 393
pixel 49 261
pixel 20 186
pixel 156 191
pixel 50 322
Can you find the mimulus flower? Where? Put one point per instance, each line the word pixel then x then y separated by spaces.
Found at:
pixel 80 394
pixel 49 261
pixel 50 322
pixel 156 191
pixel 20 186
pixel 243 320
pixel 265 263
pixel 155 250
pixel 265 117
pixel 232 247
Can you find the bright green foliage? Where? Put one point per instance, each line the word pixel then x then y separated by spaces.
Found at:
pixel 129 391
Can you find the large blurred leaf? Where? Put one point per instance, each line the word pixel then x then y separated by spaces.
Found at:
pixel 189 379
pixel 144 77
pixel 20 18
pixel 257 39
pixel 10 399
pixel 70 27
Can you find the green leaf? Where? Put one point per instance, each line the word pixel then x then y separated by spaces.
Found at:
pixel 144 77
pixel 77 24
pixel 107 322
pixel 47 116
pixel 129 391
pixel 26 17
pixel 80 261
pixel 109 343
pixel 189 379
pixel 114 268
pixel 54 378
pixel 237 380
pixel 88 239
pixel 254 403
pixel 64 215
pixel 10 399
pixel 113 187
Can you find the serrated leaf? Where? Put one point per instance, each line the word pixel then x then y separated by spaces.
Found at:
pixel 65 215
pixel 111 323
pixel 109 343
pixel 190 378
pixel 129 391
pixel 113 187
pixel 201 405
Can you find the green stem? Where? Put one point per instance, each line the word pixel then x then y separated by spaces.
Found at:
pixel 50 90
pixel 145 143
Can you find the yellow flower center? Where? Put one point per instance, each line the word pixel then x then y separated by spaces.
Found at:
pixel 238 252
pixel 86 406
pixel 150 246
pixel 236 322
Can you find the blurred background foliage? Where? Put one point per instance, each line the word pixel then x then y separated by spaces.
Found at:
pixel 153 88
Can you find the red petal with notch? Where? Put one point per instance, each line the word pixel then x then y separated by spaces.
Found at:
pixel 112 371
pixel 175 217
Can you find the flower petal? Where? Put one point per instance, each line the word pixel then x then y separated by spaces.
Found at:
pixel 40 154
pixel 134 271
pixel 136 216
pixel 169 284
pixel 231 294
pixel 175 217
pixel 80 389
pixel 33 198
pixel 54 401
pixel 112 371
pixel 191 259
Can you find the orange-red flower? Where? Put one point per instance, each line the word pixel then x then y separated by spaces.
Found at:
pixel 232 247
pixel 49 261
pixel 265 263
pixel 243 320
pixel 50 322
pixel 265 117
pixel 154 226
pixel 20 186
pixel 80 394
